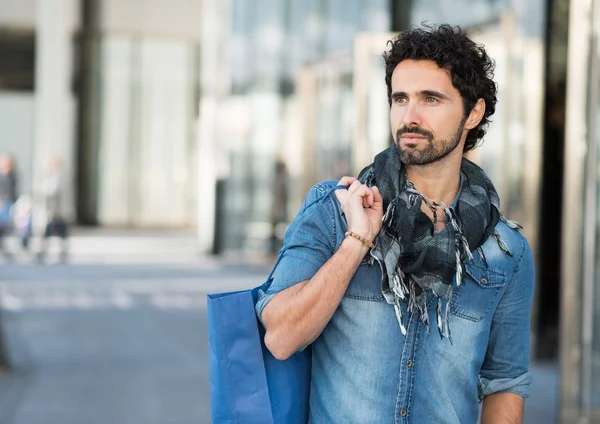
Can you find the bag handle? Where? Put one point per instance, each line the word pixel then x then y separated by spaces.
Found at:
pixel 319 199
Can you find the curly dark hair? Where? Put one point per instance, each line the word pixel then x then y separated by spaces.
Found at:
pixel 471 69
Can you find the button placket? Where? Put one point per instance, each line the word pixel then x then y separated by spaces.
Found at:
pixel 406 372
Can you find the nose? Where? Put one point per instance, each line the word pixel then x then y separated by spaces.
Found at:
pixel 412 117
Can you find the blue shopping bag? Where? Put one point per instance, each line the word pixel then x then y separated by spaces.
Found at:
pixel 248 385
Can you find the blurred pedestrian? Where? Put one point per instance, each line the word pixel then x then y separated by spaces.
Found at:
pixel 415 244
pixel 8 196
pixel 279 206
pixel 23 219
pixel 55 200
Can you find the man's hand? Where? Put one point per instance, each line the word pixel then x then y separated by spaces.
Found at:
pixel 362 206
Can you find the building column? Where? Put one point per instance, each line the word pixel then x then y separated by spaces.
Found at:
pixel 212 153
pixel 574 270
pixel 54 122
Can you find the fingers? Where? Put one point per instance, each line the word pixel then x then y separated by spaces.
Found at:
pixel 369 197
pixel 377 197
pixel 365 193
pixel 343 194
pixel 377 200
pixel 347 181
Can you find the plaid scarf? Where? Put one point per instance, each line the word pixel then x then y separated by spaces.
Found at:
pixel 415 259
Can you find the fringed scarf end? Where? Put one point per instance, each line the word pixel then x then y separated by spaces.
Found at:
pixel 424 313
pixel 447 320
pixel 458 269
pixel 482 254
pixel 501 243
pixel 510 223
pixel 390 213
pixel 398 311
pixel 443 319
pixel 399 286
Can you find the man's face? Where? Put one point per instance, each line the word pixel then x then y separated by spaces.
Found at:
pixel 427 116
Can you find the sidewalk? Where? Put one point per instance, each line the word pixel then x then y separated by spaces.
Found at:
pixel 142 246
pixel 118 335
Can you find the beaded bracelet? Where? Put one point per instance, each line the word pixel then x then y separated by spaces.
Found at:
pixel 364 241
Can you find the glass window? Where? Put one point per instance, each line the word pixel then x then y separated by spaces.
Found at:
pixel 114 134
pixel 335 120
pixel 147 98
pixel 164 148
pixel 591 289
pixel 17 67
pixel 530 15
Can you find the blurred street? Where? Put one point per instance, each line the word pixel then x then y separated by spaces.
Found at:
pixel 120 337
pixel 115 338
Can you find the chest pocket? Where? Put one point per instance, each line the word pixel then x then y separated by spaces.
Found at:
pixel 479 292
pixel 366 283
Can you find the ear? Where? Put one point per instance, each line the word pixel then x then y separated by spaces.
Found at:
pixel 476 115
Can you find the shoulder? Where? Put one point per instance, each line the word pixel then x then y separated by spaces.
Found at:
pixel 319 202
pixel 320 199
pixel 319 190
pixel 508 251
pixel 315 223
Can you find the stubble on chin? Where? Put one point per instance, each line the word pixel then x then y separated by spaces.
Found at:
pixel 416 156
pixel 434 151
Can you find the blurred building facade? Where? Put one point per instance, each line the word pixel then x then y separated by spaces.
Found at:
pixel 191 112
pixel 580 302
pixel 113 91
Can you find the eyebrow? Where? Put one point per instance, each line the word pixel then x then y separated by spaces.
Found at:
pixel 423 93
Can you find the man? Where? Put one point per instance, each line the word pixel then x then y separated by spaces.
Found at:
pixel 435 317
pixel 279 206
pixel 8 196
pixel 54 196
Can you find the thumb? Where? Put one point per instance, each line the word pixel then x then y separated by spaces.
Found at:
pixel 377 200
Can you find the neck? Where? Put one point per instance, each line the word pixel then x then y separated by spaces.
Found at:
pixel 439 181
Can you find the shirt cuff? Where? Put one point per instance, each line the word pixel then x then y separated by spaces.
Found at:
pixel 518 385
pixel 263 299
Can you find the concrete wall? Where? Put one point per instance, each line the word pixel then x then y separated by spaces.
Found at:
pixel 162 18
pixel 22 13
pixel 17 13
pixel 166 18
pixel 16 122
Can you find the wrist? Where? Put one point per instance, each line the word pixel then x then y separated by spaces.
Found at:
pixel 353 247
pixel 366 241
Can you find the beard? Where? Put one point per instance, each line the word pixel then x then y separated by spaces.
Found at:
pixel 434 151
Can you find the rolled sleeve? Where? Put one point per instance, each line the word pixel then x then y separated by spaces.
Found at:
pixel 506 364
pixel 519 385
pixel 310 242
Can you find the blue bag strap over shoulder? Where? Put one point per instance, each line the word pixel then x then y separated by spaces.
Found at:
pixel 314 202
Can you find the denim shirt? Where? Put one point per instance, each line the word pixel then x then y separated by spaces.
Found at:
pixel 365 371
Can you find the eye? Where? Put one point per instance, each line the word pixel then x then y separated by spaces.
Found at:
pixel 399 99
pixel 431 100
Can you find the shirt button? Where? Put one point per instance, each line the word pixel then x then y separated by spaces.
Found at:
pixel 403 413
pixel 409 363
pixel 416 313
pixel 484 281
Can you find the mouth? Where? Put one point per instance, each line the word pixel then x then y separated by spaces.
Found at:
pixel 412 138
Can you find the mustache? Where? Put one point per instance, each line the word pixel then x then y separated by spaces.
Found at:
pixel 414 130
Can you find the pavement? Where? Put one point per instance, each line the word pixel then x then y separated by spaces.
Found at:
pixel 118 335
